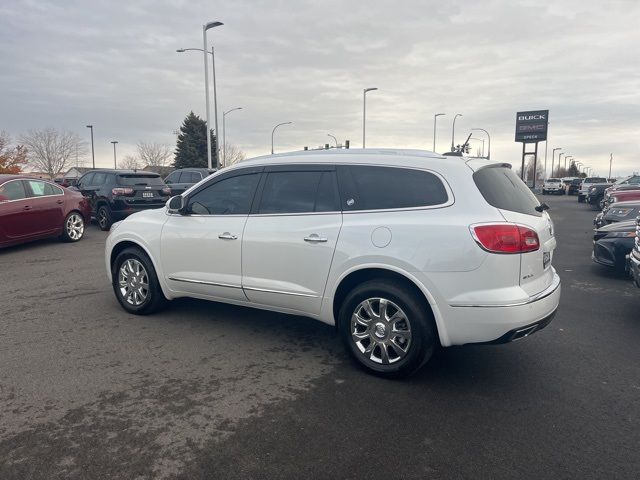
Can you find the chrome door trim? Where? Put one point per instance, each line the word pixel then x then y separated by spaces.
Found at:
pixel 267 290
pixel 204 282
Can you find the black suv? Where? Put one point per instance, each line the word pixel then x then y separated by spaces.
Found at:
pixel 116 194
pixel 183 178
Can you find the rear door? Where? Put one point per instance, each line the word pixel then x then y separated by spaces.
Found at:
pixel 290 237
pixel 503 189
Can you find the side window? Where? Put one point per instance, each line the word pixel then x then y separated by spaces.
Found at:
pixel 52 189
pixel 12 191
pixel 298 192
pixel 378 188
pixel 37 188
pixel 99 179
pixel 173 178
pixel 194 177
pixel 85 181
pixel 231 196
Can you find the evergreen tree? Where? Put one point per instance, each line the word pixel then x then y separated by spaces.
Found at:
pixel 573 170
pixel 191 148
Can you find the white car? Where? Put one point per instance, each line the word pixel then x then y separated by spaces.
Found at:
pixel 586 184
pixel 553 185
pixel 403 251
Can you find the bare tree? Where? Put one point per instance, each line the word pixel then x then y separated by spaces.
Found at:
pixel 12 159
pixel 52 151
pixel 130 162
pixel 232 155
pixel 154 154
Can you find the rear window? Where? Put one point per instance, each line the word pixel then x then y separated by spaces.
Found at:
pixel 503 189
pixel 137 179
pixel 595 180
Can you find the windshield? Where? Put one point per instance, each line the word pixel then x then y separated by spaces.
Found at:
pixel 138 179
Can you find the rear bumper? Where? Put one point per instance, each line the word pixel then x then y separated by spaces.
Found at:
pixel 502 323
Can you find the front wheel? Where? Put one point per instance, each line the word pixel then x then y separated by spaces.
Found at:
pixel 104 218
pixel 387 329
pixel 73 227
pixel 135 282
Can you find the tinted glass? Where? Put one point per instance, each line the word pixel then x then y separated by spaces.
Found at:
pixel 37 188
pixel 138 179
pixel 86 180
pixel 376 188
pixel 231 196
pixel 298 192
pixel 173 178
pixel 99 178
pixel 52 189
pixel 595 180
pixel 12 191
pixel 503 189
pixel 193 177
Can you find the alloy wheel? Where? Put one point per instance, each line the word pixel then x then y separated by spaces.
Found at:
pixel 75 226
pixel 102 218
pixel 133 282
pixel 381 331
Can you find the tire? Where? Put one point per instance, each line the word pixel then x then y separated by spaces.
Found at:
pixel 134 269
pixel 406 355
pixel 544 192
pixel 73 227
pixel 104 218
pixel 580 199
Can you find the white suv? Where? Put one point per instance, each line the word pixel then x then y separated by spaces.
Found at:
pixel 553 185
pixel 402 250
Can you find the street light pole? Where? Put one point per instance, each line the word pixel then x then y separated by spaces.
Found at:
pixel 115 164
pixel 206 89
pixel 488 141
pixel 435 117
pixel 559 160
pixel 610 163
pixel 565 161
pixel 553 155
pixel 453 130
pixel 364 112
pixel 334 139
pixel 93 155
pixel 274 130
pixel 224 135
pixel 480 140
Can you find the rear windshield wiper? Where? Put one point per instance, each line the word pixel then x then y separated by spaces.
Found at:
pixel 542 207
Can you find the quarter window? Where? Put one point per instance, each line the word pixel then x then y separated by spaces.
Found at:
pixel 173 178
pixel 299 192
pixel 39 189
pixel 12 191
pixel 231 196
pixel 379 188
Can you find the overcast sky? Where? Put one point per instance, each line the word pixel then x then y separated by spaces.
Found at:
pixel 113 64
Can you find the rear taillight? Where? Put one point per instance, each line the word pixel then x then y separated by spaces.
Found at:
pixel 506 238
pixel 166 191
pixel 122 191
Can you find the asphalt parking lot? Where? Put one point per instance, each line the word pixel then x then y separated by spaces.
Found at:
pixel 204 390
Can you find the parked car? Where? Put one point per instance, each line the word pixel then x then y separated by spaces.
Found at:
pixel 634 256
pixel 595 195
pixel 31 209
pixel 401 250
pixel 553 185
pixel 586 184
pixel 184 178
pixel 623 196
pixel 617 212
pixel 116 194
pixel 612 243
pixel 630 182
pixel 574 186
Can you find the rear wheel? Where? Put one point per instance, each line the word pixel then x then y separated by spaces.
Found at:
pixel 73 227
pixel 387 328
pixel 104 218
pixel 135 282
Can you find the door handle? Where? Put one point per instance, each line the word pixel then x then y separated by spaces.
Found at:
pixel 27 207
pixel 315 238
pixel 227 236
pixel 59 202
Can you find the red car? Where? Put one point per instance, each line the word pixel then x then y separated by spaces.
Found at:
pixel 31 209
pixel 624 196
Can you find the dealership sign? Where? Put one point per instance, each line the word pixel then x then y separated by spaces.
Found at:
pixel 531 127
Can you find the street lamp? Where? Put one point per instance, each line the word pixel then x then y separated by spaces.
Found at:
pixel 565 160
pixel 115 164
pixel 274 130
pixel 334 139
pixel 553 155
pixel 559 160
pixel 488 142
pixel 364 112
pixel 224 135
pixel 206 87
pixel 93 155
pixel 480 140
pixel 435 117
pixel 453 130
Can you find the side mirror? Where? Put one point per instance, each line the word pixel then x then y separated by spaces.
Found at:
pixel 175 204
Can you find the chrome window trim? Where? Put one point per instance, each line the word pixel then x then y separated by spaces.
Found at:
pixel 25 190
pixel 18 199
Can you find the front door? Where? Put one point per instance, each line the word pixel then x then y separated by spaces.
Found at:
pixel 290 238
pixel 16 209
pixel 201 249
pixel 48 205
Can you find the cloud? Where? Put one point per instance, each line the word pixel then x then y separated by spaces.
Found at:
pixel 113 64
